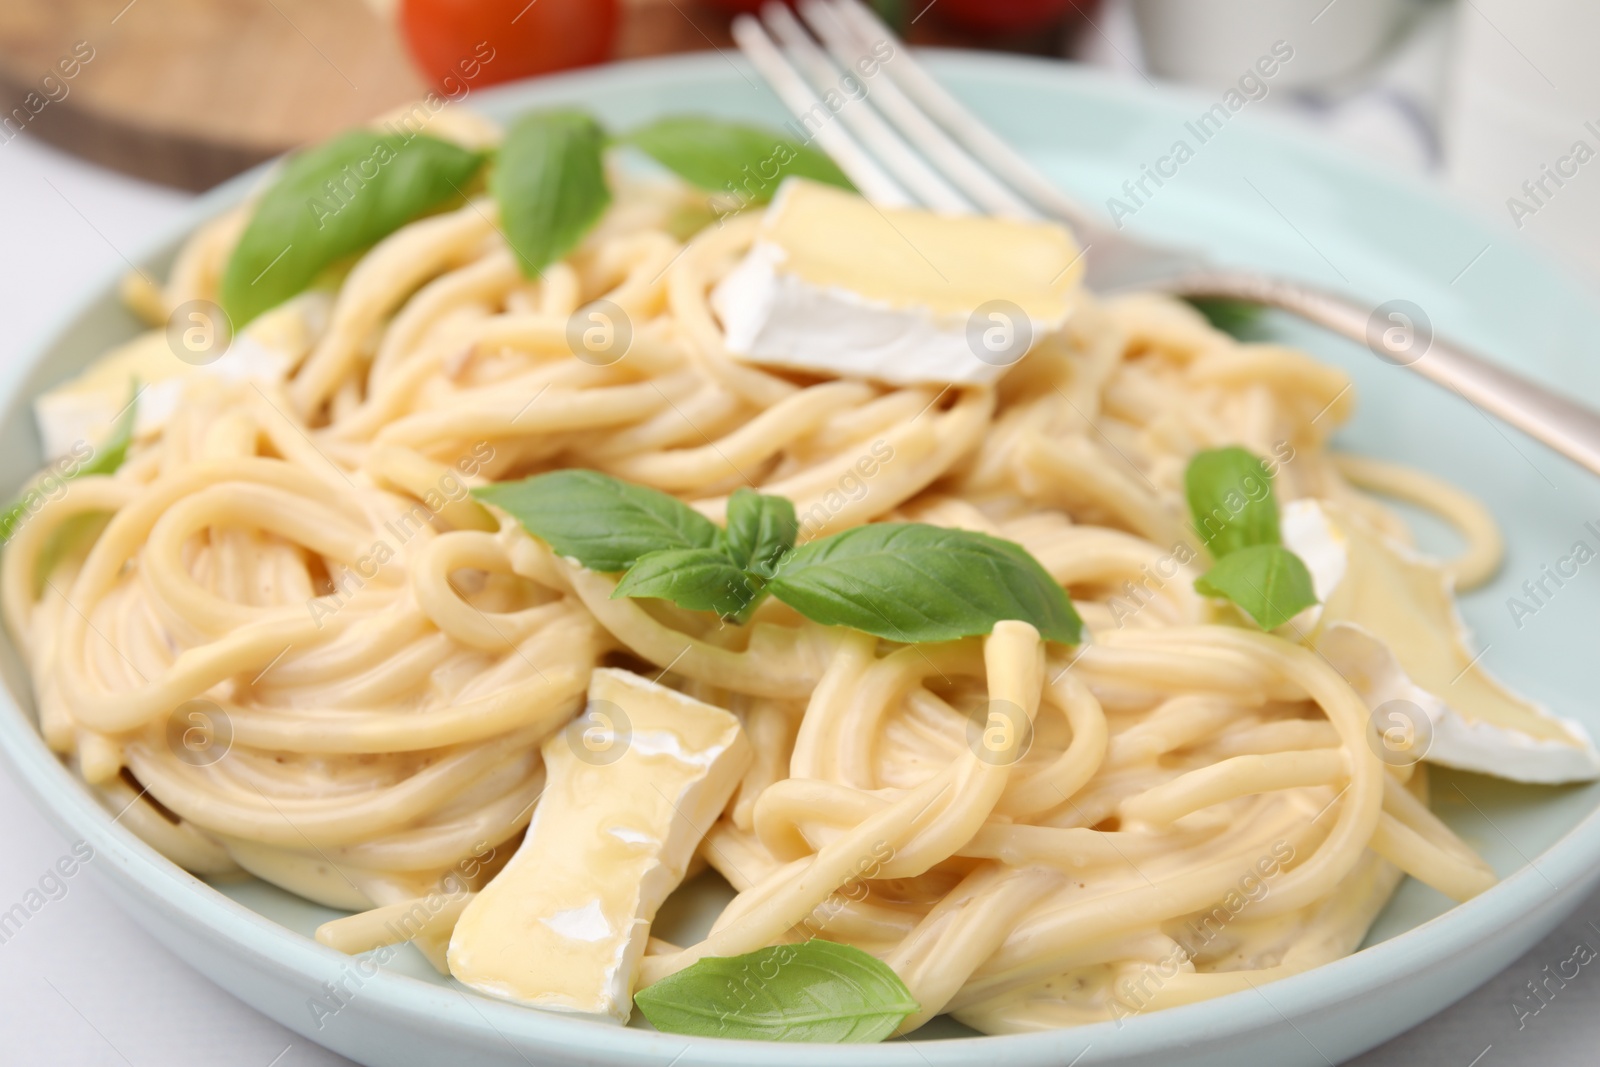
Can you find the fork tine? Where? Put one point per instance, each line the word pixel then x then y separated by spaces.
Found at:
pixel 864 172
pixel 945 154
pixel 907 167
pixel 918 86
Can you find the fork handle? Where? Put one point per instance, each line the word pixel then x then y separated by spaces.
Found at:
pixel 1395 336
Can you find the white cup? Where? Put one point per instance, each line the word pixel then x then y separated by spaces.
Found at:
pixel 1209 42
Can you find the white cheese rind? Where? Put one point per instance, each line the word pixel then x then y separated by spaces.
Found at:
pixel 564 925
pixel 1377 670
pixel 777 318
pixel 1456 741
pixel 1309 533
pixel 835 286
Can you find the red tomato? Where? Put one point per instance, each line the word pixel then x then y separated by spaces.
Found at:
pixel 479 42
pixel 1004 16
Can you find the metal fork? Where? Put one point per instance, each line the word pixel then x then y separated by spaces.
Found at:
pixel 909 142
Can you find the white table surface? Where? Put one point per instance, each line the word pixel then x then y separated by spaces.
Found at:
pixel 81 985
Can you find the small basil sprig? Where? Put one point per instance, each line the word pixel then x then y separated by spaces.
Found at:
pixel 730 157
pixel 1235 512
pixel 1268 581
pixel 550 184
pixel 728 578
pixel 814 991
pixel 907 582
pixel 1231 499
pixel 1240 319
pixel 332 201
pixel 761 529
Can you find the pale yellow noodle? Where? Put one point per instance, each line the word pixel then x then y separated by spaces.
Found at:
pixel 324 663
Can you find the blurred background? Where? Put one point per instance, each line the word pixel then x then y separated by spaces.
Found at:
pixel 1494 99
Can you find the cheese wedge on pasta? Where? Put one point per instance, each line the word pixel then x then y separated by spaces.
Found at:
pixel 85 409
pixel 835 285
pixel 632 787
pixel 1387 621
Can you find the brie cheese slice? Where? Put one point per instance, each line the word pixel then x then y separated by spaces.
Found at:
pixel 1388 622
pixel 86 408
pixel 834 285
pixel 632 786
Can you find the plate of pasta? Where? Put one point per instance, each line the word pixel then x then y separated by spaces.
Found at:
pixel 560 577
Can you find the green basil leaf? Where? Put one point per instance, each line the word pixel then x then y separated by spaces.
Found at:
pixel 730 157
pixel 73 535
pixel 813 991
pixel 12 518
pixel 332 201
pixel 113 451
pixel 910 582
pixel 1231 500
pixel 1269 582
pixel 550 183
pixel 105 459
pixel 700 579
pixel 760 530
pixel 1241 319
pixel 604 523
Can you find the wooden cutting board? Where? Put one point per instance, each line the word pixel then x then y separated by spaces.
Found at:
pixel 189 92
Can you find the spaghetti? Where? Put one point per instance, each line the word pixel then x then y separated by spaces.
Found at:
pixel 300 566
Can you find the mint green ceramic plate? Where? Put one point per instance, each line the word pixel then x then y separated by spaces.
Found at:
pixel 1257 194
